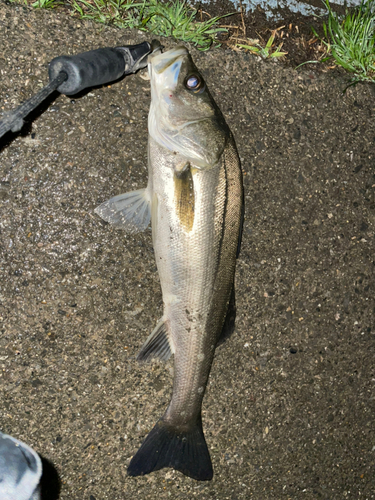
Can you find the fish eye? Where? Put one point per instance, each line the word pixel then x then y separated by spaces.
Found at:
pixel 194 83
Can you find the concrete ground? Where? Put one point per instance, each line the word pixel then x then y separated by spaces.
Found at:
pixel 289 408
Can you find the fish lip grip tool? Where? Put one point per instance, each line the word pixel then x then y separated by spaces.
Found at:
pixel 70 75
pixel 97 67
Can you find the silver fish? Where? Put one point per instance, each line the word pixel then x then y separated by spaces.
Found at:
pixel 194 198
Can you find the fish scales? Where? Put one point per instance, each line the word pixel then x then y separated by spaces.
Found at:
pixel 194 198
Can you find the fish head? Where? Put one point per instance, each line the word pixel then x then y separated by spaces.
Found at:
pixel 183 116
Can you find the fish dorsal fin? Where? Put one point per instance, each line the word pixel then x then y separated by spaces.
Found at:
pixel 157 345
pixel 230 319
pixel 129 211
pixel 241 230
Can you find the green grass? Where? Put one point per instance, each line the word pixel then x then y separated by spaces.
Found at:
pixel 265 52
pixel 40 4
pixel 121 13
pixel 171 19
pixel 350 40
pixel 178 20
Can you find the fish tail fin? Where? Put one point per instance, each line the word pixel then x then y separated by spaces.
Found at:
pixel 167 446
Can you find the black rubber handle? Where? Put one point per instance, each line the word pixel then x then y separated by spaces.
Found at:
pixel 100 66
pixel 88 69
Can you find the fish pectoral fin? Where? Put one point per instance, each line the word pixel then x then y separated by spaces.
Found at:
pixel 157 345
pixel 184 449
pixel 129 211
pixel 184 196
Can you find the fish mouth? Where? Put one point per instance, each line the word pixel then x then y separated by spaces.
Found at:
pixel 164 68
pixel 161 61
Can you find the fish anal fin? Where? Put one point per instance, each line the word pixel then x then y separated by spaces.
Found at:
pixel 184 449
pixel 129 211
pixel 157 345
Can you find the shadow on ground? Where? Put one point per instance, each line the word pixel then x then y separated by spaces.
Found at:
pixel 50 484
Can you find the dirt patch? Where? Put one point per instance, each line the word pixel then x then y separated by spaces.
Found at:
pixel 294 31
